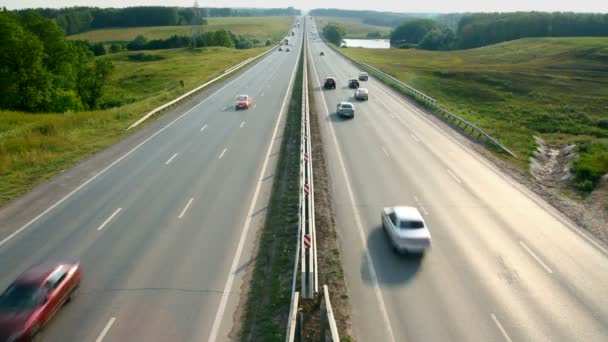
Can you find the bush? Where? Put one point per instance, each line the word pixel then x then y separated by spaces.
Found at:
pixel 590 166
pixel 142 57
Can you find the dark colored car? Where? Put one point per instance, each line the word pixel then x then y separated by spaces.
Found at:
pixel 29 303
pixel 322 53
pixel 330 83
pixel 353 84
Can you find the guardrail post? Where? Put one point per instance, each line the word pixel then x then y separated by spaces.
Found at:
pixel 300 327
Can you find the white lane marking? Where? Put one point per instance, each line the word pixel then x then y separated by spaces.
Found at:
pixel 105 330
pixel 203 128
pixel 536 257
pixel 415 137
pixel 239 249
pixel 262 94
pixel 421 206
pixel 104 170
pixel 255 105
pixel 109 219
pixel 171 159
pixel 242 124
pixel 370 261
pixel 392 115
pixel 454 176
pixel 222 154
pixel 500 327
pixel 186 208
pixel 385 151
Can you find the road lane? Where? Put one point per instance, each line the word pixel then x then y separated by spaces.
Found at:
pixel 477 272
pixel 158 267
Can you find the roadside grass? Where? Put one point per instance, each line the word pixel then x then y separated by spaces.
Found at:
pixel 269 298
pixel 35 147
pixel 555 88
pixel 262 28
pixel 355 28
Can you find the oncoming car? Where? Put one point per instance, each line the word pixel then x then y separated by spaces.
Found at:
pixel 346 109
pixel 406 229
pixel 29 303
pixel 330 83
pixel 242 102
pixel 361 94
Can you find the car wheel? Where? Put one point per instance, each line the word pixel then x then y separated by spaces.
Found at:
pixel 74 294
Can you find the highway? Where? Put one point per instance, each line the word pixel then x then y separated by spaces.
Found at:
pixel 164 233
pixel 503 266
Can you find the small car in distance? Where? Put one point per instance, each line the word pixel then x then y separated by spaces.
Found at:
pixel 363 76
pixel 346 109
pixel 406 229
pixel 330 83
pixel 322 53
pixel 29 303
pixel 280 48
pixel 242 102
pixel 287 49
pixel 353 83
pixel 362 94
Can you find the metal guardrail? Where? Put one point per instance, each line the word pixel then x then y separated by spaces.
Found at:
pixel 327 319
pixel 429 100
pixel 193 91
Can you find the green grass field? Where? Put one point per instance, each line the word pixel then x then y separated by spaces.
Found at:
pixel 556 88
pixel 262 28
pixel 35 147
pixel 355 28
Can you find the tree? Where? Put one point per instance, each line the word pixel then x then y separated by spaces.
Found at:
pixel 138 43
pixel 99 49
pixel 334 33
pixel 412 32
pixel 441 38
pixel 222 38
pixel 116 47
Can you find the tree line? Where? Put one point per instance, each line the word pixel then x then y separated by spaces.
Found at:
pixel 223 38
pixel 81 19
pixel 390 19
pixel 41 71
pixel 480 29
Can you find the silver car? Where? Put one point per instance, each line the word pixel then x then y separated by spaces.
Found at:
pixel 406 229
pixel 361 94
pixel 346 109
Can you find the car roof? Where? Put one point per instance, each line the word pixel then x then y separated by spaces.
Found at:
pixel 362 89
pixel 407 214
pixel 242 96
pixel 362 73
pixel 345 102
pixel 330 78
pixel 37 274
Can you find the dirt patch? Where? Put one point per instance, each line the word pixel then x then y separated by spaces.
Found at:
pixel 550 165
pixel 328 253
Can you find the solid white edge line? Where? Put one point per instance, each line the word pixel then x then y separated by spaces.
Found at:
pixel 370 262
pixel 203 128
pixel 239 250
pixel 454 176
pixel 524 190
pixel 501 328
pixel 222 154
pixel 171 159
pixel 109 219
pixel 535 257
pixel 186 208
pixel 105 330
pixel 32 221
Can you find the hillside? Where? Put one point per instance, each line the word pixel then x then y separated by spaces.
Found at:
pixel 555 88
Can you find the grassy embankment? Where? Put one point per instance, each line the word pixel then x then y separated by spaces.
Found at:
pixel 556 88
pixel 35 147
pixel 355 28
pixel 262 28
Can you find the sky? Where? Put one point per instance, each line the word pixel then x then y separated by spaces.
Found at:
pixel 426 6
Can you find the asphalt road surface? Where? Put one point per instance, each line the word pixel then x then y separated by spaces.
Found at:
pixel 159 231
pixel 503 266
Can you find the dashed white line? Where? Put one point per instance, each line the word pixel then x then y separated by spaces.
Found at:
pixel 105 330
pixel 536 257
pixel 242 124
pixel 255 105
pixel 421 206
pixel 392 115
pixel 186 208
pixel 500 327
pixel 171 159
pixel 222 154
pixel 415 137
pixel 385 151
pixel 454 176
pixel 262 94
pixel 203 128
pixel 109 219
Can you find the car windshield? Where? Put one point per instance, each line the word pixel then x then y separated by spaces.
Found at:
pixel 411 224
pixel 241 98
pixel 18 297
pixel 362 90
pixel 347 105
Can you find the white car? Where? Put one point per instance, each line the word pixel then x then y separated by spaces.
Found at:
pixel 346 109
pixel 361 94
pixel 406 229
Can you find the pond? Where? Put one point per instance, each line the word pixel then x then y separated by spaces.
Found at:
pixel 368 43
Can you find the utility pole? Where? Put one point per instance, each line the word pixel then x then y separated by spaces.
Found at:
pixel 196 24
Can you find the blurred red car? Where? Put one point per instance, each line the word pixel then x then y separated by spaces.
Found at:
pixel 30 302
pixel 242 102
